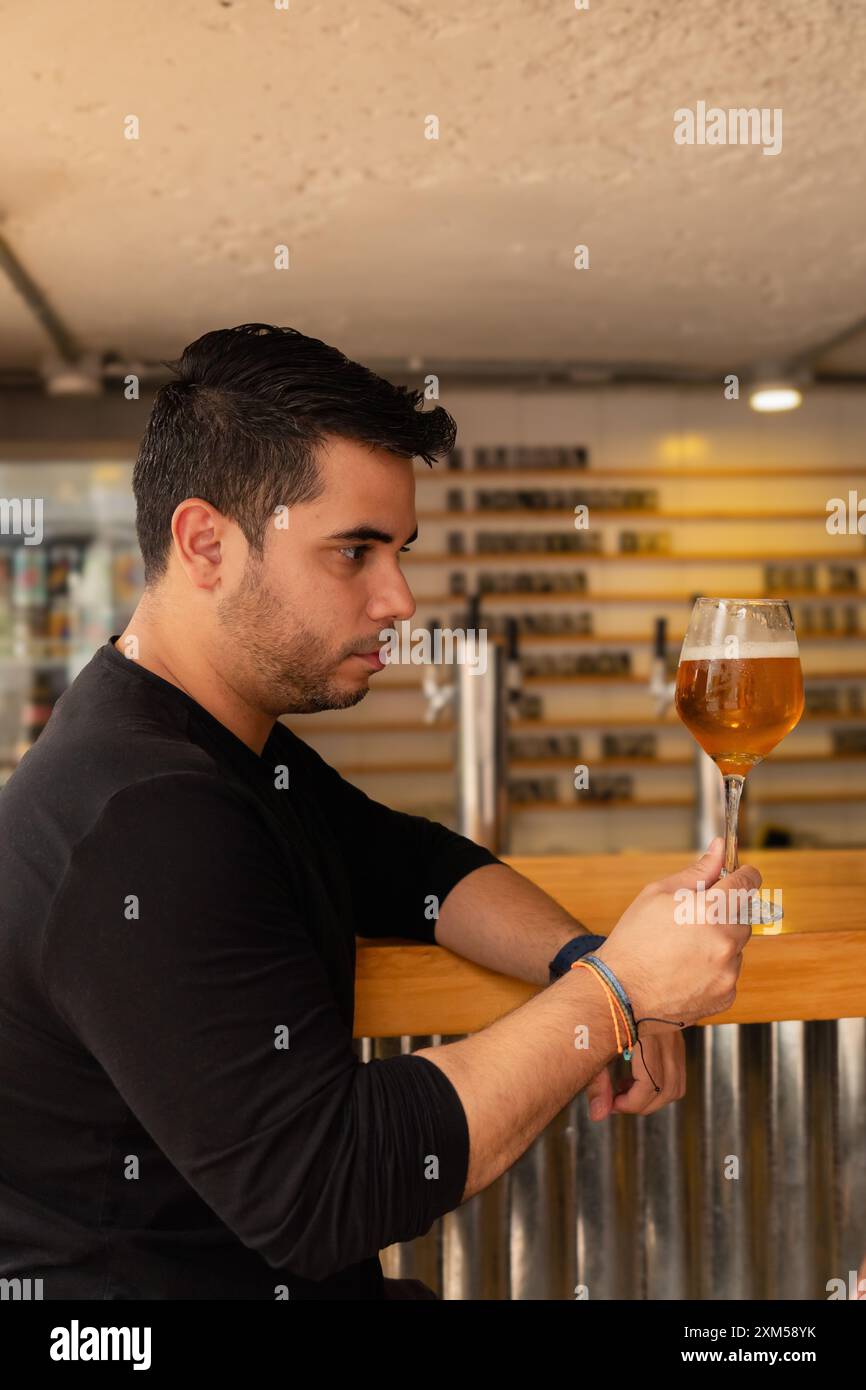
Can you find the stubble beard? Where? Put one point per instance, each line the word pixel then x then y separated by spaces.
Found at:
pixel 285 663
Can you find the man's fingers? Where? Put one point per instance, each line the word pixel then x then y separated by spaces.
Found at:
pixel 660 1061
pixel 641 1097
pixel 705 873
pixel 599 1094
pixel 746 876
pixel 635 1098
pixel 741 888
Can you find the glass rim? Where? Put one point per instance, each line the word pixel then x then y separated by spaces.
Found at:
pixel 751 602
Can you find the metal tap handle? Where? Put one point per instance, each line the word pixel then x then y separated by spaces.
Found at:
pixel 514 671
pixel 437 692
pixel 660 687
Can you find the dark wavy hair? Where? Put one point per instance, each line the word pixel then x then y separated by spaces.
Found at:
pixel 241 423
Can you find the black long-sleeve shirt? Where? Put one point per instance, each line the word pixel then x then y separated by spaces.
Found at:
pixel 182 1112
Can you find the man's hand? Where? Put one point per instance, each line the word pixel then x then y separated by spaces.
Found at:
pixel 675 966
pixel 691 971
pixel 666 1059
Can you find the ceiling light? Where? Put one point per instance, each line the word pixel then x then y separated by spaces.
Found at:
pixel 80 378
pixel 773 389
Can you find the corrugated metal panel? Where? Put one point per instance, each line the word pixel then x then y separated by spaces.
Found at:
pixel 753 1186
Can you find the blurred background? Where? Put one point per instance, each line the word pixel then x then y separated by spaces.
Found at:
pixel 490 204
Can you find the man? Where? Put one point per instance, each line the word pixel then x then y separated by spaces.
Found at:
pixel 181 1108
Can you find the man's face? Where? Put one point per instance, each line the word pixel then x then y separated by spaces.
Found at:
pixel 294 626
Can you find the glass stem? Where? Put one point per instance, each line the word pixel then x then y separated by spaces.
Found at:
pixel 733 791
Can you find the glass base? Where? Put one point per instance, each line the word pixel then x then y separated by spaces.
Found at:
pixel 764 912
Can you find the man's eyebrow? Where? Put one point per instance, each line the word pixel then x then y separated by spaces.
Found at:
pixel 369 533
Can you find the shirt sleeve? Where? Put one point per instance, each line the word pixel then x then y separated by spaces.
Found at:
pixel 415 861
pixel 174 952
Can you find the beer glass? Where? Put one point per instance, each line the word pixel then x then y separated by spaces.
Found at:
pixel 739 692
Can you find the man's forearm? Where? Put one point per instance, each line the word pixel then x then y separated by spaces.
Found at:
pixel 514 1076
pixel 496 917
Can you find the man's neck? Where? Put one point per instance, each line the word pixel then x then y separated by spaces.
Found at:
pixel 144 642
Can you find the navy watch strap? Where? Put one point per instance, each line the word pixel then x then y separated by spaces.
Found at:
pixel 572 951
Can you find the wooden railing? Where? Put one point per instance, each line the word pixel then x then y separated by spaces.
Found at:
pixel 812 965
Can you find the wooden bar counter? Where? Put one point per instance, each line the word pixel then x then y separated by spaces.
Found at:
pixel 812 965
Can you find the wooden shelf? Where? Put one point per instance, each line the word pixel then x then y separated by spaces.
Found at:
pixel 474 514
pixel 415 685
pixel 581 558
pixel 628 804
pixel 407 686
pixel 633 640
pixel 613 804
pixel 844 470
pixel 461 600
pixel 379 769
pixel 576 723
pixel 557 760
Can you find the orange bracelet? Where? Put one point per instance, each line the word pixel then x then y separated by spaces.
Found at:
pixel 613 1004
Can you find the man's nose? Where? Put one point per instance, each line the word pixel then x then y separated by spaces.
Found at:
pixel 395 602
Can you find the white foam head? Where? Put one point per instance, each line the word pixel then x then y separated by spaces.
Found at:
pixel 732 650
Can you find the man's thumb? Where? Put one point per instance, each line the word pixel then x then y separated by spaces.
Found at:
pixel 705 871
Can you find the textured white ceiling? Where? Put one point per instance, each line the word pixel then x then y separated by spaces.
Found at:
pixel 306 127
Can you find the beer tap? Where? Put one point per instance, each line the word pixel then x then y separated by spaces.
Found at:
pixel 661 687
pixel 513 670
pixel 438 692
pixel 482 745
pixel 480 757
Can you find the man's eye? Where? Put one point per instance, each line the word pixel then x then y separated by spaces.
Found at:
pixel 356 553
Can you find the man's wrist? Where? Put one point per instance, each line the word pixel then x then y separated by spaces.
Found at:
pixel 596 1013
pixel 574 949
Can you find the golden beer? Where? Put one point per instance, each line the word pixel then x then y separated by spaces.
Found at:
pixel 739 709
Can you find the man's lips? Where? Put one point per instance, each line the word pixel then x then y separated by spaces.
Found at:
pixel 372 659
